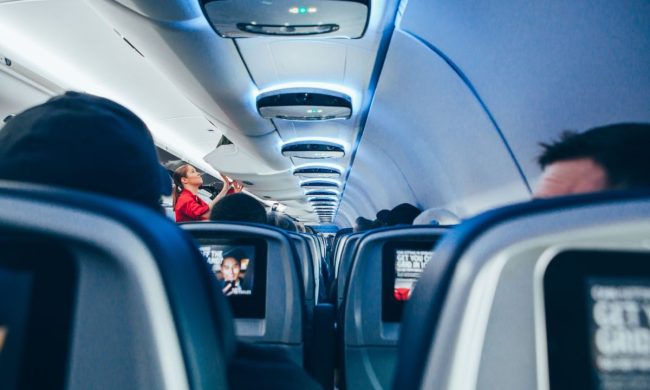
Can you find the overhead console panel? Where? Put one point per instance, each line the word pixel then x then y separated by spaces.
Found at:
pixel 313 150
pixel 253 18
pixel 317 172
pixel 304 105
pixel 319 184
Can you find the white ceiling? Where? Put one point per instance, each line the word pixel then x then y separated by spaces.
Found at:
pixel 466 92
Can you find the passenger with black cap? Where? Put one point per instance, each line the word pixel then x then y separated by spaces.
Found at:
pixel 403 214
pixel 75 141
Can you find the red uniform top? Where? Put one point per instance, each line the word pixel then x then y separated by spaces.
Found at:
pixel 190 207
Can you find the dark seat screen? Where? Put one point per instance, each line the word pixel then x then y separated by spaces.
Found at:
pixel 598 320
pixel 402 265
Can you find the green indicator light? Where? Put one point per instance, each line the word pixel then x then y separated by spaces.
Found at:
pixel 302 10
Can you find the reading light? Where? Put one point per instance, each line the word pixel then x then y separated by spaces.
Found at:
pixel 308 104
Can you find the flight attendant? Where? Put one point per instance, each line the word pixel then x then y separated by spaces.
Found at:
pixel 187 205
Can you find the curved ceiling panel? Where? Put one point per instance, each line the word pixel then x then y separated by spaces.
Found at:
pixel 434 130
pixel 273 61
pixel 544 67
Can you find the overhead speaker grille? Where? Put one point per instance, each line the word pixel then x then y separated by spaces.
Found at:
pixel 304 105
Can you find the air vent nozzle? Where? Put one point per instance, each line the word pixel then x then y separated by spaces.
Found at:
pixel 304 105
pixel 251 18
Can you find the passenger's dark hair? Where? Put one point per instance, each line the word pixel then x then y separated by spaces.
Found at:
pixel 179 173
pixel 622 150
pixel 383 217
pixel 403 214
pixel 362 224
pixel 235 253
pixel 239 208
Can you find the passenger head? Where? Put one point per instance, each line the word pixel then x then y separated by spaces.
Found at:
pixel 403 214
pixel 383 217
pixel 185 175
pixel 239 208
pixel 609 157
pixel 362 224
pixel 87 143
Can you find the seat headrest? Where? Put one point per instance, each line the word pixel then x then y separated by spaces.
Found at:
pixel 423 311
pixel 201 316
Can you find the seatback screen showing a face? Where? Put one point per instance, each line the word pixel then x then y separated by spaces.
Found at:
pixel 240 268
pixel 598 320
pixel 231 266
pixel 402 265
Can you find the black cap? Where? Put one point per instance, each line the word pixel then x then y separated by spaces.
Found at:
pixel 84 142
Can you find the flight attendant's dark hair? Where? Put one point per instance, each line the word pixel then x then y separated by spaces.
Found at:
pixel 179 173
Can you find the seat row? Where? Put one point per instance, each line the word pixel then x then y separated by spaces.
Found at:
pixel 108 294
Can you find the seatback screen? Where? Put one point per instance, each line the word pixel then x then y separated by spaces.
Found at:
pixel 38 280
pixel 409 265
pixel 15 290
pixel 619 332
pixel 239 265
pixel 597 307
pixel 402 265
pixel 233 266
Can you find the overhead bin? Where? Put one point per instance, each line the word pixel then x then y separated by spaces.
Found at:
pixel 304 105
pixel 253 18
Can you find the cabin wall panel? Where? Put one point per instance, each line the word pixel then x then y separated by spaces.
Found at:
pixel 544 67
pixel 428 141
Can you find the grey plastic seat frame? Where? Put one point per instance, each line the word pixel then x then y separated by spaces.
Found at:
pixel 314 248
pixel 284 324
pixel 476 320
pixel 344 264
pixel 130 332
pixel 310 281
pixel 370 344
